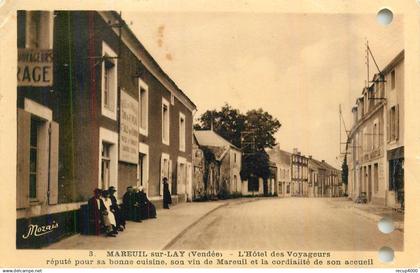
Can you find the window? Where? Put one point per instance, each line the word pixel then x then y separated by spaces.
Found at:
pixel 375 136
pixel 234 157
pixel 165 121
pixel 107 158
pixel 393 80
pixel 143 166
pixel 393 123
pixel 172 99
pixel 165 171
pixel 109 82
pixel 106 164
pixel 144 108
pixel 375 178
pixel 182 132
pixel 33 158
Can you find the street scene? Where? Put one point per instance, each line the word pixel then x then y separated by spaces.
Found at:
pixel 166 131
pixel 222 225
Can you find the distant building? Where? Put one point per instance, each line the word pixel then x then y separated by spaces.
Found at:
pixel 298 175
pixel 222 163
pixel 376 140
pixel 282 159
pixel 299 168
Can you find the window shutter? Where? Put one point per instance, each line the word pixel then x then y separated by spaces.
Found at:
pixel 170 175
pixel 53 183
pixel 162 174
pixel 388 126
pixel 22 172
pixel 397 121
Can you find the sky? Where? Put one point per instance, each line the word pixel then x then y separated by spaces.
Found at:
pixel 297 67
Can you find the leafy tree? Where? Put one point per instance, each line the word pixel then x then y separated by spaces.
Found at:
pixel 228 122
pixel 252 132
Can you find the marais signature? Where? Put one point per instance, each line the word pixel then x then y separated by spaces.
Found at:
pixel 35 230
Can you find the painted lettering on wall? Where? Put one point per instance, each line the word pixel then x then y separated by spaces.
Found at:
pixel 35 67
pixel 129 129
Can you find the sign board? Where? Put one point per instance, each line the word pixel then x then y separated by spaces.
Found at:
pixel 129 129
pixel 35 67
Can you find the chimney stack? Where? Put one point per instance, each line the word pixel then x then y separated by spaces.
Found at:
pixel 295 150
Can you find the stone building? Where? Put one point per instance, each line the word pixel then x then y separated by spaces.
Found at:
pixel 94 109
pixel 376 140
pixel 299 171
pixel 282 159
pixel 222 163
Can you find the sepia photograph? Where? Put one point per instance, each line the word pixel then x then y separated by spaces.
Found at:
pixel 209 131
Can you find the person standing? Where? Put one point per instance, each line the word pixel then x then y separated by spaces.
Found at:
pixel 166 194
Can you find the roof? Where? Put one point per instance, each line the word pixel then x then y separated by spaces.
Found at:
pixel 212 139
pixel 149 60
pixel 278 155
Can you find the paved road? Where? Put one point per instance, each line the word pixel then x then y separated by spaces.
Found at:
pixel 286 223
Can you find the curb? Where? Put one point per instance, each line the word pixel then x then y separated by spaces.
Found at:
pixel 179 235
pixel 376 218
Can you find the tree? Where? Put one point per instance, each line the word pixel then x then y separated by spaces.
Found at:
pixel 252 132
pixel 228 122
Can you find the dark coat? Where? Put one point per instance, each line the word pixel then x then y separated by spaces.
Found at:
pixel 166 195
pixel 147 209
pixel 95 215
pixel 119 214
pixel 129 206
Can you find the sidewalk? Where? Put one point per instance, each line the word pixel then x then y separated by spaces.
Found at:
pixel 372 212
pixel 151 234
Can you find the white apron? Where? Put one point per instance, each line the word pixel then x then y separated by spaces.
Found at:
pixel 110 218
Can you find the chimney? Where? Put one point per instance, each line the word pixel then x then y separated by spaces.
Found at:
pixel 323 161
pixel 299 153
pixel 310 157
pixel 295 150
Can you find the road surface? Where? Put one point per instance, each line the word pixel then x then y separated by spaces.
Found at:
pixel 287 224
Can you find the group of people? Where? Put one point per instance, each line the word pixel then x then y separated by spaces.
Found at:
pixel 105 212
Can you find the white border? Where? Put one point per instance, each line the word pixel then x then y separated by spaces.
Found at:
pixel 165 102
pixel 144 149
pixel 110 137
pixel 106 50
pixel 38 109
pixel 182 146
pixel 143 85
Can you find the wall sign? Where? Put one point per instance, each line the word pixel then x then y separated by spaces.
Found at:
pixel 35 67
pixel 129 129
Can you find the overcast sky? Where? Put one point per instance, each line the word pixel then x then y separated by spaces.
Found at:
pixel 299 68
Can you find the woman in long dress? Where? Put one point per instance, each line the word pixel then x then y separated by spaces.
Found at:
pixel 108 215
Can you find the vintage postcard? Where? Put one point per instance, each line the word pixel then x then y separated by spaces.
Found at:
pixel 210 134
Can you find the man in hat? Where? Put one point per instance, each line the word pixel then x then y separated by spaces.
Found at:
pixel 115 208
pixel 150 208
pixel 130 205
pixel 166 194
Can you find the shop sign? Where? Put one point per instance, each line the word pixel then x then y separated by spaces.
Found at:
pixel 129 129
pixel 35 67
